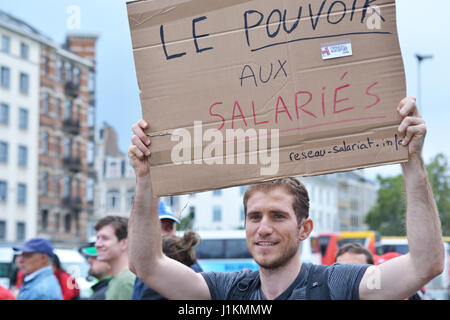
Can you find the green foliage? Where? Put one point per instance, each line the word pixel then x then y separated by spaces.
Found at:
pixel 438 174
pixel 388 214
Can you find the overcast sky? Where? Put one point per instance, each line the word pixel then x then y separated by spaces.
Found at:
pixel 423 28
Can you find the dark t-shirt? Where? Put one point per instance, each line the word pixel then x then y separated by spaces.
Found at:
pixel 343 283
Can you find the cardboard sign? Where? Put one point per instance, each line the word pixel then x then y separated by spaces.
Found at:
pixel 238 92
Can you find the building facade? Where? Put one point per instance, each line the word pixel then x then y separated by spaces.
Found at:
pixel 66 100
pixel 19 125
pixel 356 196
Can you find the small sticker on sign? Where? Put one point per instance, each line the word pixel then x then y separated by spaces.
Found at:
pixel 336 50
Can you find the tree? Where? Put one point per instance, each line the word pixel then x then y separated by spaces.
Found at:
pixel 388 214
pixel 438 174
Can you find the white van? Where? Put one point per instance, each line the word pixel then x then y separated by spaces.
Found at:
pixel 6 257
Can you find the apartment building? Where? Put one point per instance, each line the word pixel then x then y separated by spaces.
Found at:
pixel 67 96
pixel 19 123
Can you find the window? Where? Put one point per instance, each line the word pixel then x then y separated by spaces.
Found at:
pixel 67 223
pixel 68 109
pixel 242 216
pixel 2 230
pixel 90 190
pixel 67 147
pixel 5 73
pixel 45 103
pixel 21 193
pixel 76 76
pixel 59 70
pixel 23 155
pixel 67 186
pixel 23 119
pixel 68 68
pixel 217 193
pixel 130 198
pixel 217 214
pixel 20 231
pixel 44 183
pixel 242 190
pixel 44 220
pixel 3 152
pixel 90 152
pixel 3 191
pixel 4 113
pixel 113 199
pixel 5 44
pixel 91 81
pixel 24 83
pixel 24 51
pixel 91 115
pixel 45 142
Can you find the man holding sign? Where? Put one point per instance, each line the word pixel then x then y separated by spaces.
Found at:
pixel 276 222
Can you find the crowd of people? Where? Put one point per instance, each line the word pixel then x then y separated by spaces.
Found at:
pixel 142 258
pixel 38 273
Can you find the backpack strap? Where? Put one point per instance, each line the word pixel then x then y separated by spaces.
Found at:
pixel 242 289
pixel 317 285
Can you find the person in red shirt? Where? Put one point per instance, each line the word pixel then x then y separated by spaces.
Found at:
pixel 5 294
pixel 69 286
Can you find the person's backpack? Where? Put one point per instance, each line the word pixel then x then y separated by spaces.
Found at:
pixel 316 288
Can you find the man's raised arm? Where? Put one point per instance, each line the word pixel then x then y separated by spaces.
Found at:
pixel 401 277
pixel 169 277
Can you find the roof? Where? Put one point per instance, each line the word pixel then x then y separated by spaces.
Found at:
pixel 18 23
pixel 19 26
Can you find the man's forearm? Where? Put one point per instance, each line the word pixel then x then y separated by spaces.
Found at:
pixel 423 226
pixel 144 237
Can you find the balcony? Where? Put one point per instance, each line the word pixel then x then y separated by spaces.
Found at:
pixel 72 126
pixel 71 89
pixel 74 203
pixel 73 164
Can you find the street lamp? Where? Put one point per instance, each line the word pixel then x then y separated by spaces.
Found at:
pixel 420 58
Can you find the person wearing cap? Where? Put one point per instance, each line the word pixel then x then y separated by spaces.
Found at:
pixel 168 222
pixel 39 282
pixel 112 247
pixel 101 270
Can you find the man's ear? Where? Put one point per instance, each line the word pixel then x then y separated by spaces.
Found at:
pixel 124 244
pixel 305 229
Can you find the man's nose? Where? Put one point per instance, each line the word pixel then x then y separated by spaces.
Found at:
pixel 265 227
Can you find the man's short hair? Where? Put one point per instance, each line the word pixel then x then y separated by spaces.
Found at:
pixel 356 248
pixel 120 225
pixel 291 185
